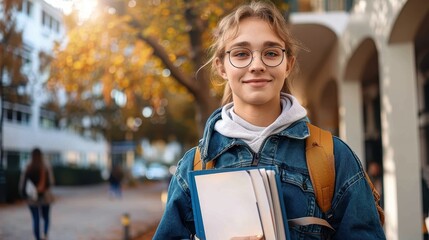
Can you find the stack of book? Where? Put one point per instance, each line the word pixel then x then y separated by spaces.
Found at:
pixel 238 202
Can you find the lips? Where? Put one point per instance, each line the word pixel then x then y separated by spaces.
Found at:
pixel 256 81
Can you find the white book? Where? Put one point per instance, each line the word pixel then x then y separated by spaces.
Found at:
pixel 237 202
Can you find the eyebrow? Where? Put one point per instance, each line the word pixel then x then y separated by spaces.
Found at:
pixel 266 44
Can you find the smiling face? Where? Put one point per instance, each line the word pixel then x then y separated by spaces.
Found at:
pixel 256 85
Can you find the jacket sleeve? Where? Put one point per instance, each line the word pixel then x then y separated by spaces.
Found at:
pixel 177 220
pixel 354 210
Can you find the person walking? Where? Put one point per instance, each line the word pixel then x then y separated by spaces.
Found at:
pixel 261 124
pixel 39 175
pixel 115 180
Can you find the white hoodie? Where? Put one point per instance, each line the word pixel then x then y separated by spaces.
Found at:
pixel 233 126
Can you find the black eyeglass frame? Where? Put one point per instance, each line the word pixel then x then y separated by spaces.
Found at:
pixel 283 56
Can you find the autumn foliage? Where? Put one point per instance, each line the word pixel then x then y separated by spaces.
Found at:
pixel 146 52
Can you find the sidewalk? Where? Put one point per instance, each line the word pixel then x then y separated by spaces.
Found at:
pixel 87 213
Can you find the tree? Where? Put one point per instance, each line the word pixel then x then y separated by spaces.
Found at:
pixel 11 77
pixel 143 50
pixel 11 53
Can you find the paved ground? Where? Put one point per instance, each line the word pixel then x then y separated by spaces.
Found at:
pixel 87 213
pixel 147 235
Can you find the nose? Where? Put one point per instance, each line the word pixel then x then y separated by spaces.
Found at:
pixel 257 64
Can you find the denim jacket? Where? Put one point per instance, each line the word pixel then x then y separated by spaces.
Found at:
pixel 353 212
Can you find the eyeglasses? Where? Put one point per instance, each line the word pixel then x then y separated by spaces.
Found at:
pixel 241 57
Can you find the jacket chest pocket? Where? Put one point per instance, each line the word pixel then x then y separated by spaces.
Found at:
pixel 298 193
pixel 298 180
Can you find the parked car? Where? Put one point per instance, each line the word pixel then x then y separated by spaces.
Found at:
pixel 138 170
pixel 157 171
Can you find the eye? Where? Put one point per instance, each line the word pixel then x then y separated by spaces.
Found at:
pixel 240 53
pixel 272 52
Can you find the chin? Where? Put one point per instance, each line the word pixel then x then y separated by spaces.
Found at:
pixel 258 101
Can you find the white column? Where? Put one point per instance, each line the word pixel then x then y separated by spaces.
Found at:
pixel 351 117
pixel 402 190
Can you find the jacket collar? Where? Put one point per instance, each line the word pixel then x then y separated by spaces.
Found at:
pixel 217 143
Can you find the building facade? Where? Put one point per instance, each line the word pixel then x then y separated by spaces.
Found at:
pixel 365 77
pixel 31 125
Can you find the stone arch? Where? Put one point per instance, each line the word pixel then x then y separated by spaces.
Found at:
pixel 408 21
pixel 358 61
pixel 316 63
pixel 363 67
pixel 315 50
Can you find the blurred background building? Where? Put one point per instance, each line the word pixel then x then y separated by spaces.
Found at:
pixel 364 77
pixel 29 124
pixel 26 119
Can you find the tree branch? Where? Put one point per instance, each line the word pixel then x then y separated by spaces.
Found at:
pixel 160 52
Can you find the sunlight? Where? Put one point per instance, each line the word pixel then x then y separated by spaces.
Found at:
pixel 85 8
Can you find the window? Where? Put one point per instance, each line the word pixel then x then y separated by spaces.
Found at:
pixel 29 8
pixel 57 27
pixel 26 7
pixel 54 158
pixel 17 113
pixel 48 119
pixel 9 114
pixel 19 116
pixel 50 22
pixel 426 95
pixel 44 18
pixel 26 59
pixel 13 159
pixel 426 142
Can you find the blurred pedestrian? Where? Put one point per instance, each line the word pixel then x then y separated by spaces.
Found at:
pixel 38 174
pixel 115 179
pixel 375 173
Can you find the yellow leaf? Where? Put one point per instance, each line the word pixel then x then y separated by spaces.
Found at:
pixel 78 65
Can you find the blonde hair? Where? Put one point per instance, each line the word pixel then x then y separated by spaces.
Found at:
pixel 228 28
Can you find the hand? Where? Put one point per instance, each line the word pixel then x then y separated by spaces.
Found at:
pixel 258 237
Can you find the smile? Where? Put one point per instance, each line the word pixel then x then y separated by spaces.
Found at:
pixel 257 81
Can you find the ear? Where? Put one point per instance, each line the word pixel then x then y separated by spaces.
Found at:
pixel 220 68
pixel 290 64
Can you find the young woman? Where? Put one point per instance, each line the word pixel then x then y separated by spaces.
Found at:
pixel 261 124
pixel 41 176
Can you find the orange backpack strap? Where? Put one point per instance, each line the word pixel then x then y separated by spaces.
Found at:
pixel 319 152
pixel 198 165
pixel 321 165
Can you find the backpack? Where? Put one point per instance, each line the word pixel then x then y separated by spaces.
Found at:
pixel 319 153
